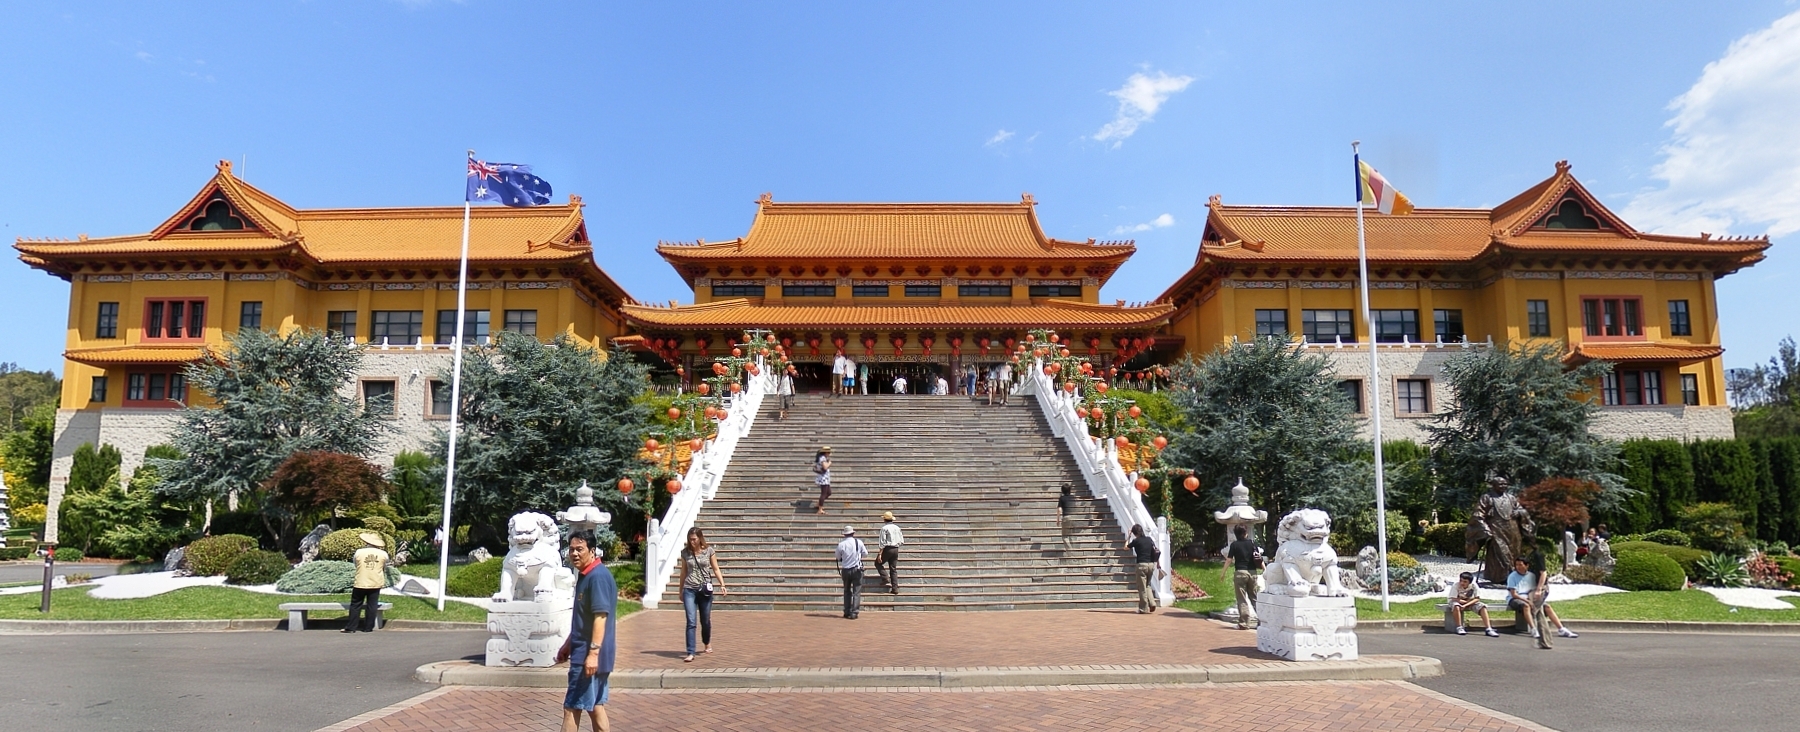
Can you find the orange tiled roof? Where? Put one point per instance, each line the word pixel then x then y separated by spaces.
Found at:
pixel 121 355
pixel 1641 352
pixel 896 231
pixel 1049 314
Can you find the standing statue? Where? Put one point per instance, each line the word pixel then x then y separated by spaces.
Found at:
pixel 1499 526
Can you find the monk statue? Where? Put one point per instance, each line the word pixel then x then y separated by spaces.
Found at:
pixel 1500 527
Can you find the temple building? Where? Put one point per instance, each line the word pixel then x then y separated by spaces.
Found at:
pixel 234 257
pixel 1551 265
pixel 914 289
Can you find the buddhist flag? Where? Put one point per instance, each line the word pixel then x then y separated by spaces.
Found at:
pixel 1372 188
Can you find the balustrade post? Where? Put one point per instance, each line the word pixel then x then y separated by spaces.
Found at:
pixel 652 535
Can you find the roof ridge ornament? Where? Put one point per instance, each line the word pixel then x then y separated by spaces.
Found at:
pixel 225 167
pixel 1025 199
pixel 1562 167
pixel 1215 201
pixel 765 199
pixel 575 200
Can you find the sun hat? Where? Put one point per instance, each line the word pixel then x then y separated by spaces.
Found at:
pixel 372 539
pixel 826 448
pixel 887 515
pixel 849 530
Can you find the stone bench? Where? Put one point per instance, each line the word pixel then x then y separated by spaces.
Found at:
pixel 297 611
pixel 1521 623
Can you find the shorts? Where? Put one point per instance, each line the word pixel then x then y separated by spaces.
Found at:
pixel 849 381
pixel 585 692
pixel 1513 603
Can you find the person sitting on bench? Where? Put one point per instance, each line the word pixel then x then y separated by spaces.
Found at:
pixel 1466 596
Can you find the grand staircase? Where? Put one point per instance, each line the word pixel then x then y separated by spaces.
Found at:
pixel 973 487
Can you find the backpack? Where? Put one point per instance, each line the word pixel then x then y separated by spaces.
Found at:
pixel 818 466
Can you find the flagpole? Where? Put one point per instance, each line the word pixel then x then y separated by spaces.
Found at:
pixel 1362 262
pixel 462 295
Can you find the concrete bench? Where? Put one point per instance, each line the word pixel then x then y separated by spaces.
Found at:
pixel 297 611
pixel 1521 623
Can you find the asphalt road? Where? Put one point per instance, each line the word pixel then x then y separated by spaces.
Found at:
pixel 1623 682
pixel 34 571
pixel 260 680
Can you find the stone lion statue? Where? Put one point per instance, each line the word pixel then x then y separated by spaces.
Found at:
pixel 533 568
pixel 1304 562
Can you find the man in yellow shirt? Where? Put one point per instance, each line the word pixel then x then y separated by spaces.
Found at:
pixel 371 575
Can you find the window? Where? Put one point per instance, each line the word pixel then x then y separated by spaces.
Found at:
pixel 134 387
pixel 378 397
pixel 1612 317
pixel 1353 393
pixel 1055 291
pixel 1679 322
pixel 440 400
pixel 1690 389
pixel 869 290
pixel 98 392
pixel 177 388
pixel 924 291
pixel 1395 326
pixel 988 291
pixel 808 291
pixel 250 316
pixel 1412 396
pixel 1632 388
pixel 398 327
pixel 108 324
pixel 172 319
pixel 1537 318
pixel 341 322
pixel 1448 324
pixel 737 290
pixel 218 216
pixel 1570 214
pixel 520 321
pixel 1272 323
pixel 162 387
pixel 1326 326
pixel 475 326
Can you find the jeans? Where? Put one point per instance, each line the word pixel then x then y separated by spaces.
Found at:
pixel 698 604
pixel 853 579
pixel 1146 586
pixel 363 602
pixel 887 565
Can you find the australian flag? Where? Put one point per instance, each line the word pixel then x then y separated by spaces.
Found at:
pixel 507 183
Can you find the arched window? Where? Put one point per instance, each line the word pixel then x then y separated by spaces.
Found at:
pixel 1570 214
pixel 218 216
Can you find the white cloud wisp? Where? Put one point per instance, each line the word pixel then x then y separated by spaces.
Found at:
pixel 1733 159
pixel 999 137
pixel 1139 99
pixel 1161 222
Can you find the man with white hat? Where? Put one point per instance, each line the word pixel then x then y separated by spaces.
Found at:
pixel 850 554
pixel 887 564
pixel 365 591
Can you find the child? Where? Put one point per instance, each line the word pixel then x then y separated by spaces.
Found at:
pixel 1465 596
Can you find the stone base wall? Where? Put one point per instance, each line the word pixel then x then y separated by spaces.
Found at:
pixel 1665 422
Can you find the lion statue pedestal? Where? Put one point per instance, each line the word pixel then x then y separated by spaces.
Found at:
pixel 1304 613
pixel 528 620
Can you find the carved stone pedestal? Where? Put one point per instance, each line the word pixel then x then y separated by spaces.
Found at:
pixel 528 633
pixel 1306 628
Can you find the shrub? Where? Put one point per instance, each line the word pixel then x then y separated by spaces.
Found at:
pixel 379 524
pixel 1717 527
pixel 1447 539
pixel 1359 531
pixel 68 554
pixel 213 554
pixel 1586 574
pixel 1668 537
pixel 257 568
pixel 1778 548
pixel 1768 573
pixel 342 544
pixel 1396 559
pixel 1790 565
pixel 1180 533
pixel 1556 503
pixel 1684 557
pixel 481 579
pixel 12 553
pixel 630 578
pixel 1721 570
pixel 1647 571
pixel 32 515
pixel 326 577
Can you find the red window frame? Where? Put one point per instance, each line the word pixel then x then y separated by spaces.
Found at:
pixel 159 310
pixel 141 384
pixel 1601 313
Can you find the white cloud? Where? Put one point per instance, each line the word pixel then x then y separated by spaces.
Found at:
pixel 999 137
pixel 1733 158
pixel 144 56
pixel 1161 222
pixel 1139 99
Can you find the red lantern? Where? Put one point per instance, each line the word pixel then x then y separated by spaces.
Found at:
pixel 625 486
pixel 711 411
pixel 1101 387
pixel 1030 337
pixel 1097 413
pixel 1053 338
pixel 1135 411
pixel 1056 368
pixel 703 388
pixel 1069 386
pixel 769 338
pixel 1065 353
pixel 1122 441
pixel 983 343
pixel 674 413
pixel 737 352
pixel 1143 485
pixel 651 445
pixel 1160 442
pixel 735 387
pixel 724 414
pixel 674 486
pixel 1191 484
pixel 695 444
pixel 812 345
pixel 679 371
pixel 718 369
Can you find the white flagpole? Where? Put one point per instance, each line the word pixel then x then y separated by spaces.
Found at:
pixel 462 294
pixel 1362 261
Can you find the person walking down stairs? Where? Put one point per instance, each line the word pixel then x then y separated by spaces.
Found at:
pixel 887 563
pixel 850 554
pixel 822 475
pixel 785 389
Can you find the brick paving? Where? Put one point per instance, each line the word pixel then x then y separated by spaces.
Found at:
pixel 653 640
pixel 1335 706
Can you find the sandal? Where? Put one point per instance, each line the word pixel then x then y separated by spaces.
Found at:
pixel 689 659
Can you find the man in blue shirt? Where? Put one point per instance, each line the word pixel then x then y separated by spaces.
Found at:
pixel 591 644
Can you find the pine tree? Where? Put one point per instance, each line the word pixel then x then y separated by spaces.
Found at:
pixel 1517 413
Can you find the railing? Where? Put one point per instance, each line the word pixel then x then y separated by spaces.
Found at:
pixel 1099 461
pixel 664 538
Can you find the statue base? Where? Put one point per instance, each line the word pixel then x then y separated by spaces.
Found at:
pixel 524 633
pixel 1306 628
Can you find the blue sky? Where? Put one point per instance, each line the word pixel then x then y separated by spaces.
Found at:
pixel 1119 118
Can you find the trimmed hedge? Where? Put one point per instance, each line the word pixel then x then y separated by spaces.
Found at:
pixel 1684 557
pixel 256 568
pixel 1447 539
pixel 481 579
pixel 1669 537
pixel 14 552
pixel 1396 559
pixel 325 577
pixel 1638 571
pixel 212 555
pixel 342 544
pixel 68 554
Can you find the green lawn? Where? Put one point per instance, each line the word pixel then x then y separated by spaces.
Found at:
pixel 214 603
pixel 1686 605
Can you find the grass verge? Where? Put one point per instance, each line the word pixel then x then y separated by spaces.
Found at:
pixel 222 603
